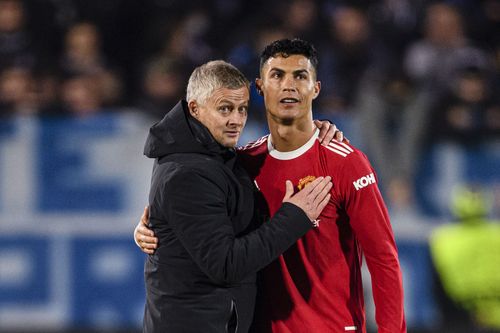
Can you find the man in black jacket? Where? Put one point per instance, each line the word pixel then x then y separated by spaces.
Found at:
pixel 201 278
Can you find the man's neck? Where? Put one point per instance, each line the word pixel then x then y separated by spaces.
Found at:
pixel 289 137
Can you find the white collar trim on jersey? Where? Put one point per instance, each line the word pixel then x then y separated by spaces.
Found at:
pixel 289 155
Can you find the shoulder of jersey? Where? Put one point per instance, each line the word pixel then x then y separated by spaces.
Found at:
pixel 340 149
pixel 254 146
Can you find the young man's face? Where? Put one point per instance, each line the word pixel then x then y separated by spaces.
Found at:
pixel 224 113
pixel 289 86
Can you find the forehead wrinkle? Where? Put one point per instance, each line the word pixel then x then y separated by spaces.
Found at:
pixel 231 96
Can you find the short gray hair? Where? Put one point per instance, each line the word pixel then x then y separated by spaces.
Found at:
pixel 211 76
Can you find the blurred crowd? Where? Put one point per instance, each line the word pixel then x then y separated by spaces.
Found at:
pixel 397 75
pixel 400 77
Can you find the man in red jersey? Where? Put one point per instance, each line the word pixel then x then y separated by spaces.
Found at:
pixel 315 286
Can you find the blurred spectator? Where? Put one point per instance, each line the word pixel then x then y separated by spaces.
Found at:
pixel 483 21
pixel 466 255
pixel 80 96
pixel 245 55
pixel 165 74
pixel 393 116
pixel 415 83
pixel 301 20
pixel 16 47
pixel 163 85
pixel 463 136
pixel 395 22
pixel 346 55
pixel 82 50
pixel 187 39
pixel 470 113
pixel 82 55
pixel 443 50
pixel 18 94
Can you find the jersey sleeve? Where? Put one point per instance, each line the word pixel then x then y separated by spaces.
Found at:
pixel 196 209
pixel 370 222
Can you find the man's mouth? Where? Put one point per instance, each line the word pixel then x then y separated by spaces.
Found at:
pixel 233 133
pixel 289 100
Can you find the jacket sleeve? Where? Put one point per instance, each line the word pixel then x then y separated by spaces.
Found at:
pixel 196 209
pixel 369 220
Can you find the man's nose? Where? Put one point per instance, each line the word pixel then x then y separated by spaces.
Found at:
pixel 289 83
pixel 237 118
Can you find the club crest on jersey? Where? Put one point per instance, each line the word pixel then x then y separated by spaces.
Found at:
pixel 364 181
pixel 304 181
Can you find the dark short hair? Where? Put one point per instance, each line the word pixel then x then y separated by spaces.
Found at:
pixel 287 47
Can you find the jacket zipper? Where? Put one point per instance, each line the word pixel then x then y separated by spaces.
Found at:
pixel 232 311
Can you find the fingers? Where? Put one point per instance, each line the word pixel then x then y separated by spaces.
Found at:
pixel 329 132
pixel 333 134
pixel 144 239
pixel 288 190
pixel 321 126
pixel 313 198
pixel 325 191
pixel 143 236
pixel 147 251
pixel 321 195
pixel 318 208
pixel 142 227
pixel 339 136
pixel 318 197
pixel 148 248
pixel 147 244
pixel 321 189
pixel 324 131
pixel 312 186
pixel 145 216
pixel 312 195
pixel 150 243
pixel 322 204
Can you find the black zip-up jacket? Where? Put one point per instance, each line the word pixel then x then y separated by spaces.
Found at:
pixel 202 276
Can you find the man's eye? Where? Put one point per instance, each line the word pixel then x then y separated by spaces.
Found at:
pixel 276 75
pixel 243 109
pixel 225 109
pixel 301 76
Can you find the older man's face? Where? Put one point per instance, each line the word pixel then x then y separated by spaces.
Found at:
pixel 224 113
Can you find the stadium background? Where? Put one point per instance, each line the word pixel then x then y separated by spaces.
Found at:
pixel 415 84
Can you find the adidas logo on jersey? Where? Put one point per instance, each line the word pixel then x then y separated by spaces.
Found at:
pixel 364 181
pixel 339 148
pixel 253 144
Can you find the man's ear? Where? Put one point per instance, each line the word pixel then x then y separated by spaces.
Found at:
pixel 193 108
pixel 258 86
pixel 317 88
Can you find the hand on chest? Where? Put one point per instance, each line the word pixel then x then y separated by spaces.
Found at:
pixel 272 185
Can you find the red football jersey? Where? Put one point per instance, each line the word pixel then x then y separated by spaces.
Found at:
pixel 316 285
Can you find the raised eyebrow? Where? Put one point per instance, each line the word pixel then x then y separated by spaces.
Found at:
pixel 301 71
pixel 226 102
pixel 275 69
